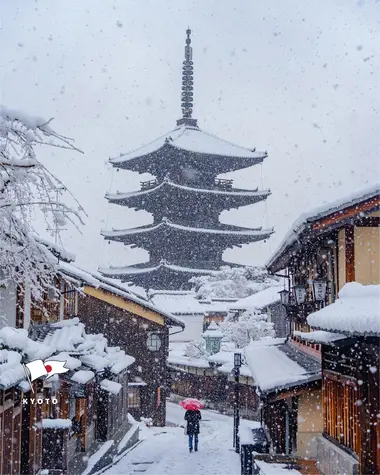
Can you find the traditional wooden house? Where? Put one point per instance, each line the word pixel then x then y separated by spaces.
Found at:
pixel 133 324
pixel 351 381
pixel 326 248
pixel 52 424
pixel 126 320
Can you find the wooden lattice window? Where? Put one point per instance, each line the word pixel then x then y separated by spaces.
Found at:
pixel 133 397
pixel 341 402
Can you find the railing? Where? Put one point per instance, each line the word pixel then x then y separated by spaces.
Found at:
pixel 146 185
pixel 223 183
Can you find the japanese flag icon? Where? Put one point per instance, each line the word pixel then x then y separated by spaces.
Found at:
pixel 55 367
pixel 39 368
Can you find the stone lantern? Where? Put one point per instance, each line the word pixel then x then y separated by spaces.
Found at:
pixel 213 337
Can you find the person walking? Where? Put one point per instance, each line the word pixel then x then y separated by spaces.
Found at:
pixel 192 430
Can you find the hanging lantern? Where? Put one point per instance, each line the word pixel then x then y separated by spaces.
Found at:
pixel 299 294
pixel 319 290
pixel 284 296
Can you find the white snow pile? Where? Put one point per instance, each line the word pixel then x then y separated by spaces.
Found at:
pixel 11 369
pixel 355 312
pixel 324 210
pixel 66 341
pixel 271 368
pixel 110 386
pixel 56 423
pixel 82 376
pixel 319 336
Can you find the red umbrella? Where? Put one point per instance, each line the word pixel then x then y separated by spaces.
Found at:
pixel 191 404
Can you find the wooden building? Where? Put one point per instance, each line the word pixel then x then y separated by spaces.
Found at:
pixel 186 198
pixel 56 423
pixel 133 324
pixel 328 247
pixel 351 381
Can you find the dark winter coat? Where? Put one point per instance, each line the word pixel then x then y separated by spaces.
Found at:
pixel 193 418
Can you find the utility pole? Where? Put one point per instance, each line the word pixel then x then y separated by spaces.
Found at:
pixel 236 440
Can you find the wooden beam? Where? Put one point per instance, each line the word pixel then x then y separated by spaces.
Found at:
pixel 350 212
pixel 368 222
pixel 124 304
pixel 350 253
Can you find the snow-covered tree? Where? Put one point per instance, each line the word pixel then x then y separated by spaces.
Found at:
pixel 27 186
pixel 250 325
pixel 237 282
pixel 196 349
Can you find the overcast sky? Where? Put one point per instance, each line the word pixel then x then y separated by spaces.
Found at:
pixel 299 79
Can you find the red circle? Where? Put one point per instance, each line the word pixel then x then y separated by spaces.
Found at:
pixel 48 368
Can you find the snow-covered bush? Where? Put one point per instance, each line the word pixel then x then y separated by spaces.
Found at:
pixel 26 188
pixel 196 349
pixel 250 325
pixel 236 282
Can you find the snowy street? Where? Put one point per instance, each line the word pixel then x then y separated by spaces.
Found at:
pixel 164 450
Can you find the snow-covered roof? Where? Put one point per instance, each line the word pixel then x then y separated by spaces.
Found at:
pixel 56 423
pixel 110 386
pixel 272 369
pixel 319 336
pixel 178 303
pixel 193 329
pixel 191 139
pixel 259 300
pixel 305 219
pixel 355 312
pixel 82 376
pixel 213 331
pixel 130 270
pixel 167 183
pixel 167 224
pixel 178 358
pixel 99 281
pixel 55 249
pixel 11 370
pixel 229 367
pixel 62 341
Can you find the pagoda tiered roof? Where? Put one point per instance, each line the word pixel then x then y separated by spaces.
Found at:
pixel 170 229
pixel 167 192
pixel 189 144
pixel 160 275
pixel 186 197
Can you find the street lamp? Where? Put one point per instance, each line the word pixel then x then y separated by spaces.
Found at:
pixel 319 290
pixel 236 440
pixel 300 294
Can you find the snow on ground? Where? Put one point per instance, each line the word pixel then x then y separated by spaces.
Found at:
pixel 164 450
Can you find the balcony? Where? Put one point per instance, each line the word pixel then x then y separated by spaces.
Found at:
pixel 223 184
pixel 147 185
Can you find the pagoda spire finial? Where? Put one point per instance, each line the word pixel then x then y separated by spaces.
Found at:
pixel 187 85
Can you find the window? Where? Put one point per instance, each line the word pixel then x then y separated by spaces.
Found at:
pixel 154 342
pixel 133 397
pixel 70 303
pixel 340 409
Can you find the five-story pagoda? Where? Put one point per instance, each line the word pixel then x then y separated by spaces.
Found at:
pixel 185 198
